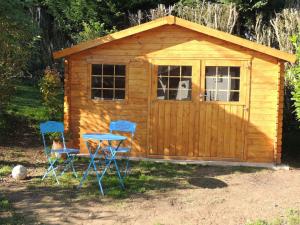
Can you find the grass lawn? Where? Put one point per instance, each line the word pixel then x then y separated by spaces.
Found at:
pixel 27 103
pixel 20 124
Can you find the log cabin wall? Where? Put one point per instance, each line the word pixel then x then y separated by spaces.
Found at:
pixel 257 122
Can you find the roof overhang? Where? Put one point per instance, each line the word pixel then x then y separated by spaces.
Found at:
pixel 183 23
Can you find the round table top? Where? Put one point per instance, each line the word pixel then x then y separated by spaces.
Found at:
pixel 103 137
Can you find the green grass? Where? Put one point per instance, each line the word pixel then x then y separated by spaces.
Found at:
pixel 144 177
pixel 4 204
pixel 291 218
pixel 27 102
pixel 25 112
pixel 5 170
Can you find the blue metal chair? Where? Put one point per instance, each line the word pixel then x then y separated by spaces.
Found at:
pixel 126 127
pixel 57 127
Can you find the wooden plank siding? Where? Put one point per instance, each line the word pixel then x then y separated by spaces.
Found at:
pixel 244 133
pixel 263 110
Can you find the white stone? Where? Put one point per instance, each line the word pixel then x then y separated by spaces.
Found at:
pixel 19 172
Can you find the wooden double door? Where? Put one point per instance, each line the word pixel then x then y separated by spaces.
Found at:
pixel 198 109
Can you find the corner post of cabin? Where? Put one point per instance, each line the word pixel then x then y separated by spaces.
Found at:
pixel 66 95
pixel 280 102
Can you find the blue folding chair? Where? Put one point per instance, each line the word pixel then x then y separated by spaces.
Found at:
pixel 126 127
pixel 57 127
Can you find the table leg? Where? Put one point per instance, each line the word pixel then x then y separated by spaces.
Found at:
pixel 98 178
pixel 91 162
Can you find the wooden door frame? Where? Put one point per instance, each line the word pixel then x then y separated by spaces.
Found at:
pixel 153 87
pixel 198 88
pixel 246 65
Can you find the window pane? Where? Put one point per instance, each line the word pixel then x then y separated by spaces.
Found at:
pixel 162 83
pixel 210 95
pixel 184 94
pixel 235 84
pixel 162 70
pixel 235 71
pixel 223 71
pixel 210 83
pixel 96 82
pixel 210 71
pixel 175 71
pixel 96 93
pixel 234 96
pixel 222 83
pixel 108 69
pixel 97 69
pixel 120 82
pixel 185 83
pixel 162 94
pixel 222 96
pixel 174 82
pixel 173 94
pixel 108 82
pixel 108 94
pixel 227 83
pixel 119 94
pixel 120 70
pixel 186 71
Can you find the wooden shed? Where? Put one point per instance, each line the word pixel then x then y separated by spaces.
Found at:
pixel 194 92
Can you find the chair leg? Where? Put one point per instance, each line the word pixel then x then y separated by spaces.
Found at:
pixel 119 174
pixel 127 166
pixel 55 176
pixel 68 164
pixel 73 169
pixel 51 169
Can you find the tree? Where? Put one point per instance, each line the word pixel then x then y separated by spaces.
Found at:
pixel 294 71
pixel 52 93
pixel 17 39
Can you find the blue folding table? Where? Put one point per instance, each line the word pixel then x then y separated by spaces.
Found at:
pixel 108 153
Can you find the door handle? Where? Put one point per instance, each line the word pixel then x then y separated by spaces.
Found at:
pixel 245 108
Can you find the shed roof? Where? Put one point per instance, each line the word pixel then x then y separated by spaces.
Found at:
pixel 180 22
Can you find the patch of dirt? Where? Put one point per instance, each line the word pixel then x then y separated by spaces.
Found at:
pixel 229 198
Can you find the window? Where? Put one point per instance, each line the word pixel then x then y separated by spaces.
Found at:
pixel 174 82
pixel 108 81
pixel 222 83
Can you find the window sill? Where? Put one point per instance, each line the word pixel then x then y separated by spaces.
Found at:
pixel 100 101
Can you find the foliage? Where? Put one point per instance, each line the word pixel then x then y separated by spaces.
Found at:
pixel 5 170
pixel 91 31
pixel 69 14
pixel 292 218
pixel 294 72
pixel 17 38
pixel 51 90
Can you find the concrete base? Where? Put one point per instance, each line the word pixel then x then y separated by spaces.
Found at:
pixel 216 163
pixel 272 166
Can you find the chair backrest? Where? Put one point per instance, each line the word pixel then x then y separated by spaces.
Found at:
pixel 52 127
pixel 123 126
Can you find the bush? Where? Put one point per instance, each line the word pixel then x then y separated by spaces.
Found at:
pixel 294 72
pixel 51 89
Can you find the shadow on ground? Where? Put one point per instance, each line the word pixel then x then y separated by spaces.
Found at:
pixel 291 148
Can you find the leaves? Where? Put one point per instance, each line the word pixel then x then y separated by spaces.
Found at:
pixel 16 42
pixel 51 90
